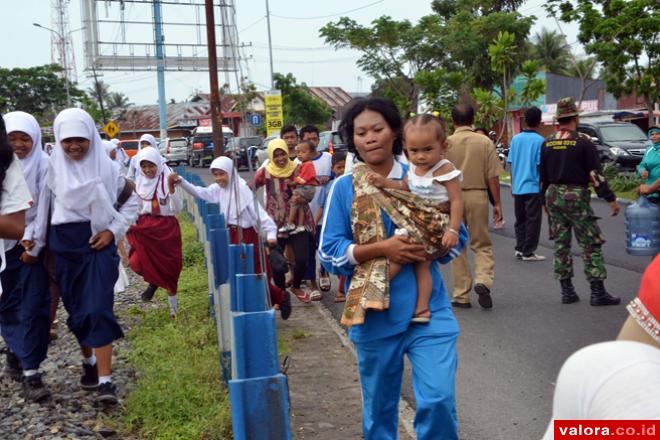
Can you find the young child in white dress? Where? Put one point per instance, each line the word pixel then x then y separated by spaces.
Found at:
pixel 432 177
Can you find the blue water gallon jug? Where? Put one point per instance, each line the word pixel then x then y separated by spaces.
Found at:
pixel 642 228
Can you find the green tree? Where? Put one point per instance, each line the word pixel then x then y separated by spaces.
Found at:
pixel 533 87
pixel 117 100
pixel 37 90
pixel 392 52
pixel 441 89
pixel 550 49
pixel 503 60
pixel 299 106
pixel 624 36
pixel 470 28
pixel 584 68
pixel 489 107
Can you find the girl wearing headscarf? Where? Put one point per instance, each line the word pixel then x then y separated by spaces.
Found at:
pixel 24 304
pixel 90 209
pixel 236 203
pixel 122 281
pixel 279 178
pixel 617 379
pixel 649 168
pixel 146 141
pixel 156 237
pixel 121 155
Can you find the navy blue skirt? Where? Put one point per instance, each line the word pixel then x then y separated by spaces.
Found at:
pixel 86 278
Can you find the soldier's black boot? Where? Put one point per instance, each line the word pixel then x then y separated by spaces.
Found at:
pixel 568 295
pixel 600 297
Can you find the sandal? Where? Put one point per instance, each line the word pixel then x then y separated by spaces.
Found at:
pixel 324 282
pixel 301 295
pixel 420 318
pixel 316 295
pixel 339 298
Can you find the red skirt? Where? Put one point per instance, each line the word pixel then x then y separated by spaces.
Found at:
pixel 250 236
pixel 156 250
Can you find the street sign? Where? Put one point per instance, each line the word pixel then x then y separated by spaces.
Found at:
pixel 111 129
pixel 255 119
pixel 274 113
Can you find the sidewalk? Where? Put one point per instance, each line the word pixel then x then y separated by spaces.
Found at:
pixel 324 385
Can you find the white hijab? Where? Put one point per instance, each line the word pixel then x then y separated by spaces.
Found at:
pixel 35 163
pixel 236 186
pixel 89 185
pixel 145 186
pixel 149 138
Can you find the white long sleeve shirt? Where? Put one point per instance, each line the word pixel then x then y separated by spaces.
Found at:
pixel 247 218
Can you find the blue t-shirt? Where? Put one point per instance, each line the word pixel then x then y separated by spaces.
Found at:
pixel 525 158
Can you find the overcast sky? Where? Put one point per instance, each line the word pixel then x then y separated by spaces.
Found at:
pixel 295 31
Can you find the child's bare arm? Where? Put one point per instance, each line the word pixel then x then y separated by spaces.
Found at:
pixel 453 187
pixel 383 182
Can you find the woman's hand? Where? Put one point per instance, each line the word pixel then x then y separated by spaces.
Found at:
pixel 644 189
pixel 28 259
pixel 101 240
pixel 644 174
pixel 297 199
pixel 27 244
pixel 399 250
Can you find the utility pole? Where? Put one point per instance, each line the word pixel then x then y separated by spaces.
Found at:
pixel 99 94
pixel 270 46
pixel 160 68
pixel 216 108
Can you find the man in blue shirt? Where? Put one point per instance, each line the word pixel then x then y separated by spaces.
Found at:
pixel 525 158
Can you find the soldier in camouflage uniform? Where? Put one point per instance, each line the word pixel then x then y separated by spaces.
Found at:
pixel 569 163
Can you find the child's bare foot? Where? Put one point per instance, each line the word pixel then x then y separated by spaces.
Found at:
pixel 422 316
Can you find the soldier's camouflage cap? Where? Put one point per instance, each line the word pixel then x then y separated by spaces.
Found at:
pixel 566 108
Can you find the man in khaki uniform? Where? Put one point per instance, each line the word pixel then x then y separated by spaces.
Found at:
pixel 475 155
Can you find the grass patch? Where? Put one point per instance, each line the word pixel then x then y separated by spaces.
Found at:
pixel 179 393
pixel 286 340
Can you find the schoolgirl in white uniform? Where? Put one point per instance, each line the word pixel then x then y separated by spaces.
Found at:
pixel 24 317
pixel 89 212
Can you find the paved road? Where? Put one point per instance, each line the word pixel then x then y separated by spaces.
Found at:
pixel 509 356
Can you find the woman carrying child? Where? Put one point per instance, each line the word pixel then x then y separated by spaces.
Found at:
pixel 156 249
pixel 358 240
pixel 279 177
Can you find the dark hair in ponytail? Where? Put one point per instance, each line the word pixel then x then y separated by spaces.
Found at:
pixel 6 154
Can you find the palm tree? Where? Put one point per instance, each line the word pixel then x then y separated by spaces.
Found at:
pixel 549 48
pixel 118 100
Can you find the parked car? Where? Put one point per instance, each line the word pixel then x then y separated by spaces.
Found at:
pixel 621 143
pixel 131 147
pixel 330 141
pixel 237 149
pixel 201 151
pixel 174 150
pixel 262 151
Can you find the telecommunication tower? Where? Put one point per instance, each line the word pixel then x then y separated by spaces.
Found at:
pixel 62 51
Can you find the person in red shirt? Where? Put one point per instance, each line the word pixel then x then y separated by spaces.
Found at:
pixel 304 184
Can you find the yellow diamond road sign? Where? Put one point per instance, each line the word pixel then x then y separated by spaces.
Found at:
pixel 111 129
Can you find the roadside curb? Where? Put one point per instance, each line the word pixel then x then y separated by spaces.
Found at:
pixel 406 412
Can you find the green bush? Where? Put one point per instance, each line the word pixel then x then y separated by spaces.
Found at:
pixel 179 394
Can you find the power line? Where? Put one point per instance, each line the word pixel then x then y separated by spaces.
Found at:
pixel 252 24
pixel 318 17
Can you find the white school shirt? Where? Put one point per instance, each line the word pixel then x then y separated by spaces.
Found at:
pixel 15 198
pixel 323 167
pixel 61 215
pixel 248 218
pixel 172 207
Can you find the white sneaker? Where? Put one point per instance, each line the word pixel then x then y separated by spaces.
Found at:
pixel 518 255
pixel 534 257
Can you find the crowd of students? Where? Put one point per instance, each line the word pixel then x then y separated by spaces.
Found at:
pixel 383 229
